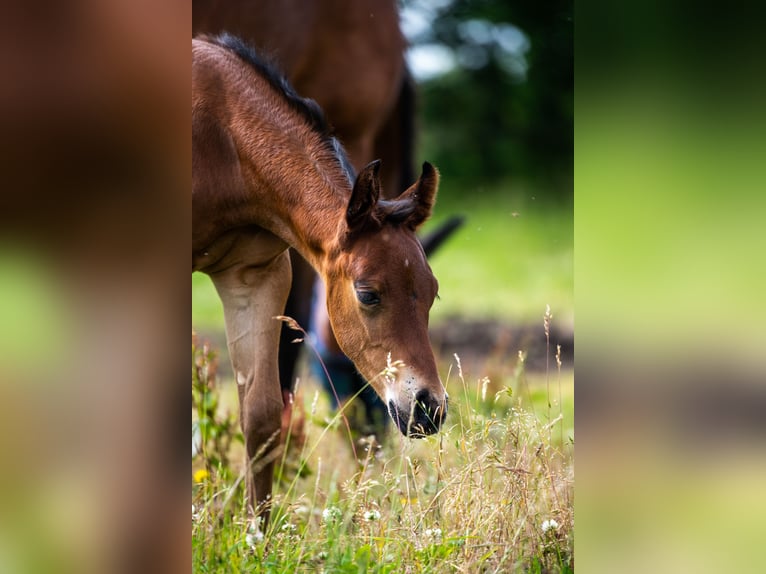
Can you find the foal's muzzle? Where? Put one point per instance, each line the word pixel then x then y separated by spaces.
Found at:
pixel 425 416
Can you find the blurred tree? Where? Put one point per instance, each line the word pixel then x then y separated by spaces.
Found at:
pixel 502 105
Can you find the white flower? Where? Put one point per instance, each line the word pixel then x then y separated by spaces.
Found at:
pixel 372 515
pixel 288 527
pixel 254 534
pixel 435 533
pixel 331 514
pixel 549 525
pixel 253 538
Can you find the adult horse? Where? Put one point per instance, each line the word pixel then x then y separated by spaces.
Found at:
pixel 349 57
pixel 266 175
pixel 346 55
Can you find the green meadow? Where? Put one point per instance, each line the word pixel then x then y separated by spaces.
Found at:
pixel 492 492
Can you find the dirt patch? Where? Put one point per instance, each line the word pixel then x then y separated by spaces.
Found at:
pixel 478 341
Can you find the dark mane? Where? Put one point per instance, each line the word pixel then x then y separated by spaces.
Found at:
pixel 395 211
pixel 306 107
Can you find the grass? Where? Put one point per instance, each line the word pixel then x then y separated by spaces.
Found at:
pixel 512 257
pixel 491 492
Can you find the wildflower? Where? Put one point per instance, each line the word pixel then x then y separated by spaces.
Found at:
pixel 549 525
pixel 288 527
pixel 254 535
pixel 331 514
pixel 254 538
pixel 434 533
pixel 372 515
pixel 200 475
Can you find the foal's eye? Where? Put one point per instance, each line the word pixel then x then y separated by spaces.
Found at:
pixel 368 297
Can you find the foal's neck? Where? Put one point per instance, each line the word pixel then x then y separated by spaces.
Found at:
pixel 298 184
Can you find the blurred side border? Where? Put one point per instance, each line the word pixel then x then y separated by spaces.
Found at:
pixel 669 140
pixel 95 156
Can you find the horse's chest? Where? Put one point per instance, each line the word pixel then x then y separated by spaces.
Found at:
pixel 250 246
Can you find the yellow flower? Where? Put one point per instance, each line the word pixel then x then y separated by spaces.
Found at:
pixel 200 475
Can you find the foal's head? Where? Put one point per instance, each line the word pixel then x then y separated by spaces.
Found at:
pixel 380 289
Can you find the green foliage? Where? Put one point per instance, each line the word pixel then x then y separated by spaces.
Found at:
pixel 506 109
pixel 212 430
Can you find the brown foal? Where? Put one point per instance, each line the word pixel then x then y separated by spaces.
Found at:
pixel 267 175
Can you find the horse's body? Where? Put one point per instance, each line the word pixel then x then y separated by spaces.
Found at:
pixel 267 175
pixel 348 56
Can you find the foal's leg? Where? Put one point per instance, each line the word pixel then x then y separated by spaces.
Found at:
pixel 252 295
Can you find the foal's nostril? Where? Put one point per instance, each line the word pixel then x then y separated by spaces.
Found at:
pixel 423 397
pixel 429 412
pixel 426 414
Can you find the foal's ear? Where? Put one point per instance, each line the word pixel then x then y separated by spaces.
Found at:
pixel 423 194
pixel 364 196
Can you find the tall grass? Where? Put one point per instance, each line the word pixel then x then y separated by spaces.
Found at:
pixel 492 492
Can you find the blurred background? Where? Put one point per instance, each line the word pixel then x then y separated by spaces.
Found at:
pixel 669 284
